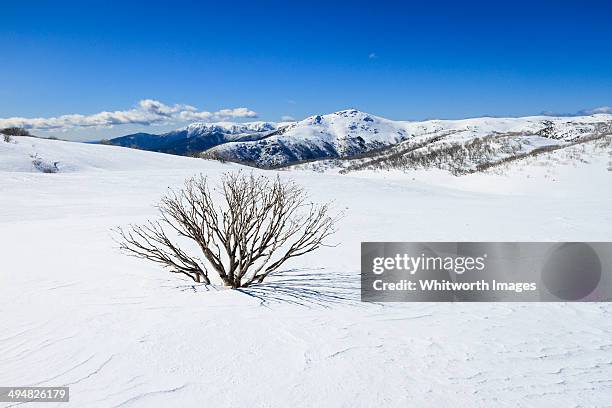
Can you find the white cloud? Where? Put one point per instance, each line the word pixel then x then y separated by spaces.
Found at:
pixel 601 109
pixel 287 118
pixel 147 112
pixel 372 55
pixel 223 114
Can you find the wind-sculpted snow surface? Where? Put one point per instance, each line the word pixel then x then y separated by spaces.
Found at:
pixel 121 332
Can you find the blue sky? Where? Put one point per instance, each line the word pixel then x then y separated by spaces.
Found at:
pixel 394 59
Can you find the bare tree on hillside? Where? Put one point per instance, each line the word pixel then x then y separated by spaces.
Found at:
pixel 247 230
pixel 15 131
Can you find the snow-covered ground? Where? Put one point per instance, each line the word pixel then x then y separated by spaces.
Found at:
pixel 123 332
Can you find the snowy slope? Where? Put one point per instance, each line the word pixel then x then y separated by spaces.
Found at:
pixel 18 156
pixel 123 333
pixel 353 133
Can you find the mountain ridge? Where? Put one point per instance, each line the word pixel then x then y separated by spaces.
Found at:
pixel 351 133
pixel 194 138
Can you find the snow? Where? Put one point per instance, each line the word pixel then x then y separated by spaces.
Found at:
pixel 80 157
pixel 232 128
pixel 342 134
pixel 351 132
pixel 122 332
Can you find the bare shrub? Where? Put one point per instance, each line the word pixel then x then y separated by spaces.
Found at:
pixel 250 230
pixel 15 131
pixel 7 138
pixel 42 165
pixel 212 155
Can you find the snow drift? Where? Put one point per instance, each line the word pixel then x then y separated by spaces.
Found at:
pixel 121 332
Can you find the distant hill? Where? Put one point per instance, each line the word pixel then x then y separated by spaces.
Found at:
pixel 355 140
pixel 196 137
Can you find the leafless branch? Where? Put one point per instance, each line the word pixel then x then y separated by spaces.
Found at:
pixel 251 230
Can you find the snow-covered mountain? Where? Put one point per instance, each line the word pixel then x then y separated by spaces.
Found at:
pixel 471 145
pixel 461 145
pixel 345 133
pixel 351 139
pixel 196 137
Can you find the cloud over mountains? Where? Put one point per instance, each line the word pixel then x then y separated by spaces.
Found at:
pixel 601 109
pixel 146 112
pixel 582 112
